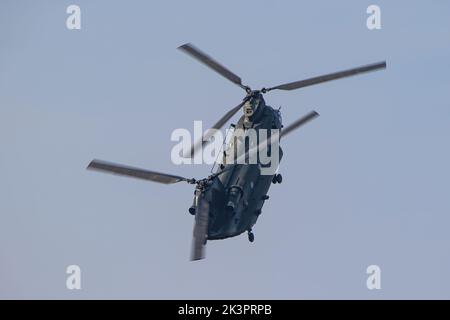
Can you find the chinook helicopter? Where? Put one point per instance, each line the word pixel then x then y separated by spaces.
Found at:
pixel 228 202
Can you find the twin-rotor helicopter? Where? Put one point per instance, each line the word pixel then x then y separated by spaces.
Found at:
pixel 228 202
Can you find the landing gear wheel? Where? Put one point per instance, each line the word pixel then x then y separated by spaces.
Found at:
pixel 251 236
pixel 279 178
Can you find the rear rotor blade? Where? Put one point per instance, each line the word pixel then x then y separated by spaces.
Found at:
pixel 298 123
pixel 329 77
pixel 209 133
pixel 135 172
pixel 265 143
pixel 200 233
pixel 210 62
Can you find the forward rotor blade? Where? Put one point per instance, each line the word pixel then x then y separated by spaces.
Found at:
pixel 200 233
pixel 119 169
pixel 210 62
pixel 331 76
pixel 209 133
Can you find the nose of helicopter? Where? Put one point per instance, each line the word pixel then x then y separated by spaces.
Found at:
pixel 254 98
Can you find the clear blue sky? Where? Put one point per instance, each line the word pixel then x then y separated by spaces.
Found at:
pixel 366 183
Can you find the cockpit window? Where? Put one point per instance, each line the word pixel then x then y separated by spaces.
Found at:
pixel 255 104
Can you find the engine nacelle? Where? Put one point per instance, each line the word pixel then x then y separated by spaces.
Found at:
pixel 234 196
pixel 193 207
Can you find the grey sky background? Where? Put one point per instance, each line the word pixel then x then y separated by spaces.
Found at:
pixel 366 183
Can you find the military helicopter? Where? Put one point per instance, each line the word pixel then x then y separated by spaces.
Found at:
pixel 228 202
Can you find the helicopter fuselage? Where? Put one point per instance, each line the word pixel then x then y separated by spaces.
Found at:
pixel 236 196
pixel 230 201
